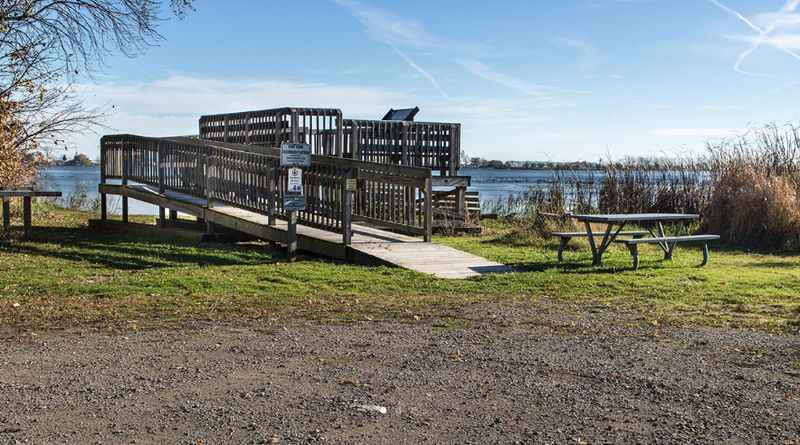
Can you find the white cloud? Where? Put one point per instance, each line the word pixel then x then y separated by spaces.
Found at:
pixel 172 106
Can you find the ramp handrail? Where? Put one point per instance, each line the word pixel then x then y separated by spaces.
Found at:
pixel 250 177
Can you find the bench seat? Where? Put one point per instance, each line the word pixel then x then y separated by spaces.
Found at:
pixel 566 236
pixel 668 244
pixel 669 239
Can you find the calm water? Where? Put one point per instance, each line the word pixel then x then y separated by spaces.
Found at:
pixel 492 184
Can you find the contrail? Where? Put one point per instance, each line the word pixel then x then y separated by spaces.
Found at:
pixel 763 34
pixel 424 73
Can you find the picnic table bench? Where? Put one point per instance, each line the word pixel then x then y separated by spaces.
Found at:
pixel 566 236
pixel 668 243
pixel 654 225
pixel 26 195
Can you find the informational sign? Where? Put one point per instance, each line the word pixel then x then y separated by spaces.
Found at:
pixel 295 155
pixel 293 199
pixel 350 184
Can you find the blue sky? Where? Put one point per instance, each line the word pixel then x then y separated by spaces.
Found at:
pixel 545 80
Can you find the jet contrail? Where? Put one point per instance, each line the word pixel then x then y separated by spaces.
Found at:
pixel 419 69
pixel 763 34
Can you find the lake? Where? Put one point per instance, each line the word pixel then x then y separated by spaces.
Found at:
pixel 76 182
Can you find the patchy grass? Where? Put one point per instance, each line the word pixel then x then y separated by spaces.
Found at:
pixel 69 275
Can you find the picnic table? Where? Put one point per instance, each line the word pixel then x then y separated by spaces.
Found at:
pixel 652 222
pixel 26 195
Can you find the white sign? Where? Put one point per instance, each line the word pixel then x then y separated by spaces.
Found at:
pixel 295 155
pixel 295 181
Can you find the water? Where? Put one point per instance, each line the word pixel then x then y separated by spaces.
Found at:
pixel 74 182
pixel 495 185
pixel 492 184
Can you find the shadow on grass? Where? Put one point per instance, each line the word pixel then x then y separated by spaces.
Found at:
pixel 133 251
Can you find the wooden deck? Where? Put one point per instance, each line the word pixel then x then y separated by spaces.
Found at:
pixel 369 245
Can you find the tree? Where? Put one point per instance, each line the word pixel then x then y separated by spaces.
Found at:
pixel 44 46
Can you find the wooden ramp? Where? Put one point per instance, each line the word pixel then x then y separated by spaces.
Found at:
pixel 369 245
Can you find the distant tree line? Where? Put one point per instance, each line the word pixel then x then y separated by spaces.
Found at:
pixel 642 163
pixel 477 162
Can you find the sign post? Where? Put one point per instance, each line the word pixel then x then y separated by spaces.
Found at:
pixel 294 156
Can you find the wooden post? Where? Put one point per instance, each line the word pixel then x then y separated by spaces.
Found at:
pixel 347 210
pixel 291 237
pixel 173 214
pixel 161 186
pixel 461 204
pixel 272 195
pixel 26 215
pixel 103 197
pixel 125 166
pixel 6 213
pixel 428 209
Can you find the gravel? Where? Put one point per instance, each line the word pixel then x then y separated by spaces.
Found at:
pixel 497 374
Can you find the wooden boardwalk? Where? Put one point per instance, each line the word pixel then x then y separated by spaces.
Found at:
pixel 369 245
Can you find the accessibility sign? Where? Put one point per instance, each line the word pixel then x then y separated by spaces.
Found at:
pixel 293 198
pixel 295 155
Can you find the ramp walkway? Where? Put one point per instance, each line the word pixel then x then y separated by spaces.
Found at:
pixel 385 219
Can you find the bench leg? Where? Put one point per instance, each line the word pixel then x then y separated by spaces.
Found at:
pixel 561 245
pixel 634 248
pixel 668 252
pixel 6 214
pixel 706 255
pixel 26 215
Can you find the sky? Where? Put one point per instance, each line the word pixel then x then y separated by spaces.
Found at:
pixel 557 80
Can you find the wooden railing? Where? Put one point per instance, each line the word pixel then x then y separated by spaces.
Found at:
pixel 434 145
pixel 320 127
pixel 421 144
pixel 251 178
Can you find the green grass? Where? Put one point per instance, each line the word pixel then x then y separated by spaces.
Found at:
pixel 68 275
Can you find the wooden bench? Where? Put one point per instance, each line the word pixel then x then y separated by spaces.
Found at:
pixel 566 236
pixel 668 243
pixel 26 195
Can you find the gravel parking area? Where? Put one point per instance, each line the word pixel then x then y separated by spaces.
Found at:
pixel 493 374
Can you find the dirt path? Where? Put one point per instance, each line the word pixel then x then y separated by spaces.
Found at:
pixel 520 375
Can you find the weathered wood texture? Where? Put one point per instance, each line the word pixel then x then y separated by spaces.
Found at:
pixel 251 178
pixel 320 127
pixel 434 145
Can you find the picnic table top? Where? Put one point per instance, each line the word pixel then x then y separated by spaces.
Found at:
pixel 636 217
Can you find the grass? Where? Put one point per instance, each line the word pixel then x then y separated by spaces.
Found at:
pixel 67 275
